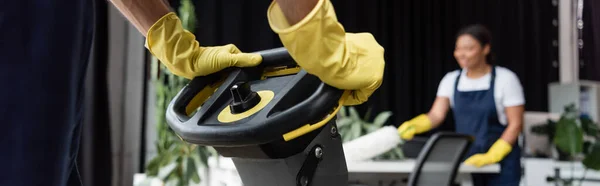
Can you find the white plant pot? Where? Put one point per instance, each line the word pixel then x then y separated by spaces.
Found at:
pixel 140 179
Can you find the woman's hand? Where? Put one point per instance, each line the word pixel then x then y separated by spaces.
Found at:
pixel 425 122
pixel 417 125
pixel 502 146
pixel 496 153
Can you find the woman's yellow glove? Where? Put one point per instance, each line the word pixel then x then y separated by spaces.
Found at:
pixel 320 45
pixel 495 154
pixel 179 51
pixel 417 125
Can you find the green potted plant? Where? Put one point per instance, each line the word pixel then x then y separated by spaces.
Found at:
pixel 352 126
pixel 177 162
pixel 575 137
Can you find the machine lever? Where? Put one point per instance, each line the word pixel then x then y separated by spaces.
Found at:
pixel 309 167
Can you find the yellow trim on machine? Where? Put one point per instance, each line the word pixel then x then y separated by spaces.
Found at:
pixel 207 92
pixel 201 97
pixel 309 128
pixel 265 97
pixel 280 71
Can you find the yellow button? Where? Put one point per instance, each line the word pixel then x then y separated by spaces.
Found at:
pixel 227 117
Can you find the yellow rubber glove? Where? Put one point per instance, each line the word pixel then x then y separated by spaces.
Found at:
pixel 417 125
pixel 495 154
pixel 320 45
pixel 179 51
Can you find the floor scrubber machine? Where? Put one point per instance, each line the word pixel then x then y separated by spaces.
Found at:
pixel 275 121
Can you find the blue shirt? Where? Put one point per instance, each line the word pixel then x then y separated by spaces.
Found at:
pixel 44 49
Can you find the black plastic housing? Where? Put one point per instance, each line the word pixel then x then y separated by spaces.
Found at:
pixel 299 99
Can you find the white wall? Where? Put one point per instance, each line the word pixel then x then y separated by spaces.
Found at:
pixel 126 93
pixel 568 58
pixel 150 123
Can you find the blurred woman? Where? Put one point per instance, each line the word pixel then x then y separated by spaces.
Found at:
pixel 487 102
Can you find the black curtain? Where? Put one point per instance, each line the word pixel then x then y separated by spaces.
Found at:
pixel 418 36
pixel 589 55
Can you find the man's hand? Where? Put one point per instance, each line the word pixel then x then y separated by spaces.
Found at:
pixel 142 14
pixel 180 52
pixel 176 47
pixel 296 10
pixel 319 44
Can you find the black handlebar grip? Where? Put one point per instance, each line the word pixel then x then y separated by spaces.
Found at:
pixel 272 57
pixel 189 91
pixel 266 125
pixel 276 57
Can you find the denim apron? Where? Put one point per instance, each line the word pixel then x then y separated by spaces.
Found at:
pixel 475 114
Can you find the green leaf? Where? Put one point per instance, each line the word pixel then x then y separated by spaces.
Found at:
pixel 159 147
pixel 344 122
pixel 176 159
pixel 569 137
pixel 587 147
pixel 346 137
pixel 589 127
pixel 370 127
pixel 152 167
pixel 343 112
pixel 382 118
pixel 173 179
pixel 592 160
pixel 541 129
pixel 356 129
pixel 167 158
pixel 354 114
pixel 178 171
pixel 165 142
pixel 203 156
pixel 169 143
pixel 368 114
pixel 393 154
pixel 185 177
pixel 343 131
pixel 212 151
pixel 192 171
pixel 196 178
pixel 348 132
pixel 399 153
pixel 166 171
pixel 570 111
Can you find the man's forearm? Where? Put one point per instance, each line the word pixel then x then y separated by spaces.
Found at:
pixel 296 10
pixel 142 13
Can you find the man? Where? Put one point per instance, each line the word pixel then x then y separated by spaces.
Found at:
pixel 45 47
pixel 308 29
